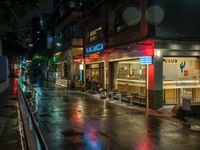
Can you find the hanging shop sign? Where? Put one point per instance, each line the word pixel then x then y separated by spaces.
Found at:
pixel 146 60
pixel 94 48
pixel 54 59
pixel 170 60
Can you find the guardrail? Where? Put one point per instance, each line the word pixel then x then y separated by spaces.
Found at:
pixel 33 135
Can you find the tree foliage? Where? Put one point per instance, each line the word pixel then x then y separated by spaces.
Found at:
pixel 13 49
pixel 12 10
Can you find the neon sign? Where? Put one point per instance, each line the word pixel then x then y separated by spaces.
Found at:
pixel 94 48
pixel 94 55
pixel 146 60
pixel 77 59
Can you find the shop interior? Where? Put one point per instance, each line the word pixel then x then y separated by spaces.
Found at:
pixel 181 79
pixel 130 77
pixel 94 76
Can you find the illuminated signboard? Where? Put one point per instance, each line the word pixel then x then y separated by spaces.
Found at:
pixel 81 67
pixel 81 75
pixel 54 59
pixel 146 60
pixel 94 48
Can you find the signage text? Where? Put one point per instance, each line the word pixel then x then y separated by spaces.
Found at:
pixel 94 48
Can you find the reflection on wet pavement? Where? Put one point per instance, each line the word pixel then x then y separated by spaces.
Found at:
pixel 74 122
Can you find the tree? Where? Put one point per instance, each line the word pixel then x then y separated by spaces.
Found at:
pixel 13 49
pixel 12 10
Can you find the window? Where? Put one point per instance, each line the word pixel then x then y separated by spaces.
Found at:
pixel 89 4
pixel 77 30
pixel 74 4
pixel 128 16
pixel 62 11
pixel 72 30
pixel 95 32
pixel 58 38
pixel 181 76
pixel 69 6
pixel 130 77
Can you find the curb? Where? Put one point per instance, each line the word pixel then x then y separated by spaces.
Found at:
pixel 148 112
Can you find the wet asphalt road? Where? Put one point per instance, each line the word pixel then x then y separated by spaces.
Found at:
pixel 74 122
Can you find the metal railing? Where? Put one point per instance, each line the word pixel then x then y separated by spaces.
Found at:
pixel 33 135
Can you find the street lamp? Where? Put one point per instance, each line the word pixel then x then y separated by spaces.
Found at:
pixel 58 44
pixel 30 45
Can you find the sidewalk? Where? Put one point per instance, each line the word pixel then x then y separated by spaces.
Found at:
pixel 162 112
pixel 165 112
pixel 10 138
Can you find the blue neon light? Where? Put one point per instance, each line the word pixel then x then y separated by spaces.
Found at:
pixel 94 48
pixel 146 60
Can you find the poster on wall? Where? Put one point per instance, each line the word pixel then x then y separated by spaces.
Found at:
pixel 181 68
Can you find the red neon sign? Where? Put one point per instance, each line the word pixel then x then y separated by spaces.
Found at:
pixel 145 47
pixel 77 60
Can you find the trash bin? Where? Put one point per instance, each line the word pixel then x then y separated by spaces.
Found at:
pixel 110 95
pixel 186 106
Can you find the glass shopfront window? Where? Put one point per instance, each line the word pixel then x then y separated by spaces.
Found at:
pixel 129 77
pixel 181 78
pixel 95 74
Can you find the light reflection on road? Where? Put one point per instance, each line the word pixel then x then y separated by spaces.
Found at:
pixel 75 122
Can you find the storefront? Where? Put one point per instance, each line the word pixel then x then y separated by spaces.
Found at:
pixel 94 66
pixel 129 76
pixel 181 78
pixel 160 72
pixel 123 69
pixel 129 69
pixel 77 72
pixel 180 70
pixel 94 74
pixel 56 66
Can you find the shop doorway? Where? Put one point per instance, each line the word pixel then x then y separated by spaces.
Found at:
pixel 94 76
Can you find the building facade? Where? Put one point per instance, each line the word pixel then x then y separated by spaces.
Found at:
pixel 137 47
pixel 68 41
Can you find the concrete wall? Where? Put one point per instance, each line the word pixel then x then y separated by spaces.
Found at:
pixel 4 70
pixel 4 85
pixel 0 48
